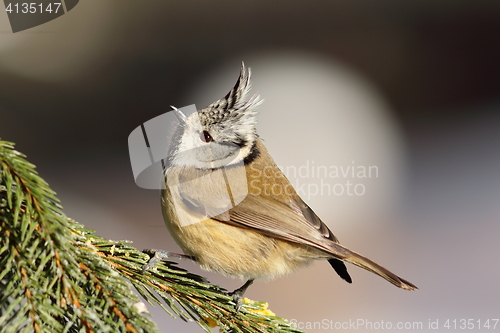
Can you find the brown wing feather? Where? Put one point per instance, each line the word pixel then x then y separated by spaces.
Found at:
pixel 312 218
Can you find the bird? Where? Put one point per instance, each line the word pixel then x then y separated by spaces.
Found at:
pixel 233 211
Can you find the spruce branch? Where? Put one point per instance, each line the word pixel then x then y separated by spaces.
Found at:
pixel 57 276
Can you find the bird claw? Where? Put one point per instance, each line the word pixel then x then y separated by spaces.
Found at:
pixel 159 255
pixel 237 295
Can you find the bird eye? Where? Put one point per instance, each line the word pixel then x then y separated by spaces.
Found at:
pixel 205 136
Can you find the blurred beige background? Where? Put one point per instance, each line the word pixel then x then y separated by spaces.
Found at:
pixel 410 87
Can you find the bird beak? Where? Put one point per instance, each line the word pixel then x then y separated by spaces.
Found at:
pixel 181 116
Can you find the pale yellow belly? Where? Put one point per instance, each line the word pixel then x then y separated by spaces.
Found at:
pixel 239 252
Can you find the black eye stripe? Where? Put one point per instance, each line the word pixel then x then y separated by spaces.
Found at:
pixel 240 141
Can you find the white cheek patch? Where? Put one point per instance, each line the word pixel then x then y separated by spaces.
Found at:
pixel 193 151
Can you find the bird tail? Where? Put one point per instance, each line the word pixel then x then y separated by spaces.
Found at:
pixel 371 266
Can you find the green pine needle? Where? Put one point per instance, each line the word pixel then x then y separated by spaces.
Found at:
pixel 57 276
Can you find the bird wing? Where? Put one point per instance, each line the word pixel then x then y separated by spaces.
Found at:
pixel 295 223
